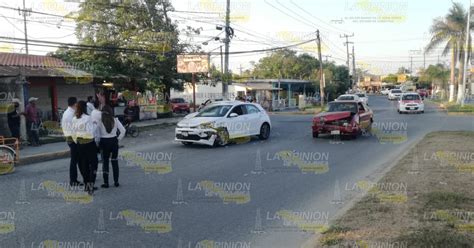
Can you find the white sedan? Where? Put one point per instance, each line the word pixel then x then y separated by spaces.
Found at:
pixel 411 103
pixel 348 97
pixel 394 94
pixel 363 97
pixel 218 123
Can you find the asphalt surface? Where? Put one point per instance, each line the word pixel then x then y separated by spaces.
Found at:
pixel 268 200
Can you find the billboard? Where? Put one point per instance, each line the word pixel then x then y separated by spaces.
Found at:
pixel 193 63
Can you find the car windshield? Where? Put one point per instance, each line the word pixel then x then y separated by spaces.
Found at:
pixel 346 98
pixel 214 111
pixel 178 100
pixel 338 107
pixel 396 91
pixel 361 95
pixel 411 97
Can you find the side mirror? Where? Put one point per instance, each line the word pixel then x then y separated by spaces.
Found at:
pixel 233 115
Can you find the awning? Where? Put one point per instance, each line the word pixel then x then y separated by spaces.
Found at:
pixel 69 74
pixel 258 86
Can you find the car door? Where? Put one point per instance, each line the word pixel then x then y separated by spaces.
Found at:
pixel 364 115
pixel 254 119
pixel 236 125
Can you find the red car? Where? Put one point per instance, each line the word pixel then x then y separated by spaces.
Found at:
pixel 179 105
pixel 423 93
pixel 343 118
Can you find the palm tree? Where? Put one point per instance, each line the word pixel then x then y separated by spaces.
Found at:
pixel 450 32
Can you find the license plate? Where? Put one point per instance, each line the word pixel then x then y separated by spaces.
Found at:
pixel 335 132
pixel 185 134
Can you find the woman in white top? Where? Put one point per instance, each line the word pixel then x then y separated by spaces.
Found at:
pixel 108 127
pixel 84 134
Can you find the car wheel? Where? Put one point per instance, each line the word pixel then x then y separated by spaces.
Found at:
pixel 186 143
pixel 315 135
pixel 422 111
pixel 264 131
pixel 222 138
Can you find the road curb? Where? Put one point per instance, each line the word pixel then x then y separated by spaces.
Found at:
pixel 44 157
pixel 375 176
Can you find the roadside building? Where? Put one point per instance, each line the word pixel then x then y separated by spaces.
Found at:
pixel 49 79
pixel 272 94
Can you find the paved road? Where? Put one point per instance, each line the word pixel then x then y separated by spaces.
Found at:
pixel 265 199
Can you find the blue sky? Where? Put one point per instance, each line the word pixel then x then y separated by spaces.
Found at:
pixel 380 47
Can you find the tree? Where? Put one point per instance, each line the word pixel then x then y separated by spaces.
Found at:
pixel 450 32
pixel 436 75
pixel 143 42
pixel 390 78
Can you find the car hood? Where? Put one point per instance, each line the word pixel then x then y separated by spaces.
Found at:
pixel 196 121
pixel 332 116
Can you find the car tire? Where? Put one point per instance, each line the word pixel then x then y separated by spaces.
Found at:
pixel 187 143
pixel 222 138
pixel 315 135
pixel 264 131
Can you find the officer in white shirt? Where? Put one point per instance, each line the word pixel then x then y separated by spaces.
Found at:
pixel 66 125
pixel 109 144
pixel 84 135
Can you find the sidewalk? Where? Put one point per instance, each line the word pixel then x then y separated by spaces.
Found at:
pixel 57 150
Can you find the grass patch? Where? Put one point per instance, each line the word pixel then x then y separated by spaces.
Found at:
pixel 459 109
pixel 427 237
pixel 447 200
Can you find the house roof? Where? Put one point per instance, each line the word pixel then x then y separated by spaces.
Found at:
pixel 15 64
pixel 286 81
pixel 23 60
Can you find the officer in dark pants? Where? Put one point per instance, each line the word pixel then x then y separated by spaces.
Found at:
pixel 109 143
pixel 66 124
pixel 85 137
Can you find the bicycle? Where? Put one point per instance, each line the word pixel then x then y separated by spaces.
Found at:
pixel 131 130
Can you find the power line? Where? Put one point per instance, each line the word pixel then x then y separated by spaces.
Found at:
pixel 309 14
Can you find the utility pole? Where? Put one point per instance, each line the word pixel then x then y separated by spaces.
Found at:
pixel 241 69
pixel 327 56
pixel 466 57
pixel 222 62
pixel 321 83
pixel 411 64
pixel 354 72
pixel 227 43
pixel 348 58
pixel 26 30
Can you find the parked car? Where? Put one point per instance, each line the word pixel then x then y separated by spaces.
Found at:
pixel 411 103
pixel 363 97
pixel 385 91
pixel 394 94
pixel 220 122
pixel 179 105
pixel 343 118
pixel 423 93
pixel 348 97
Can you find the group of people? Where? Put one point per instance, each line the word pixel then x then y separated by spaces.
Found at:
pixel 33 120
pixel 89 130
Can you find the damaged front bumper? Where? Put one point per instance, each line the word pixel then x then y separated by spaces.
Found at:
pixel 196 136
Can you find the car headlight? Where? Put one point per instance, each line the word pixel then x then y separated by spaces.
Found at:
pixel 207 125
pixel 322 120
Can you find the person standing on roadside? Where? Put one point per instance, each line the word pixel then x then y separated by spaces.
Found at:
pixel 96 114
pixel 109 144
pixel 90 104
pixel 66 125
pixel 84 136
pixel 32 121
pixel 14 119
